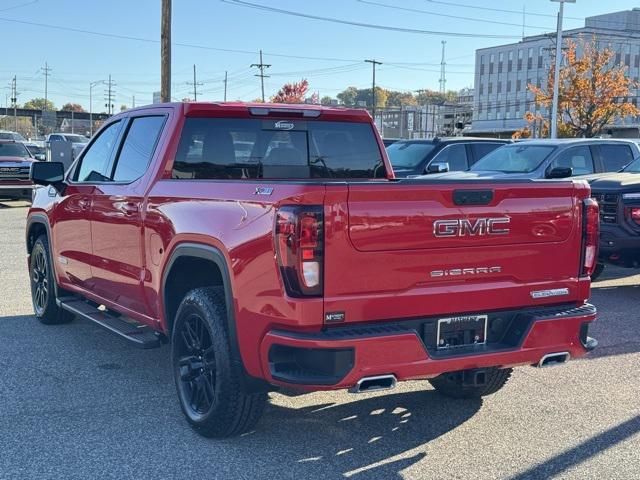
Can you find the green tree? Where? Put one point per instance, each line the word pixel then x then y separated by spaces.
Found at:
pixel 39 104
pixel 326 100
pixel 430 97
pixel 348 97
pixel 397 99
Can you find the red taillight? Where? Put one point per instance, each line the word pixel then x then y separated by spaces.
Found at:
pixel 299 249
pixel 634 214
pixel 591 229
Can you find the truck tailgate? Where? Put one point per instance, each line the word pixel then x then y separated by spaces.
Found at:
pixel 411 249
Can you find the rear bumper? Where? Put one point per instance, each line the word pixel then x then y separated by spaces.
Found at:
pixel 339 357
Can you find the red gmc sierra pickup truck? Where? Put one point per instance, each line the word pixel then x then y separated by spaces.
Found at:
pixel 271 246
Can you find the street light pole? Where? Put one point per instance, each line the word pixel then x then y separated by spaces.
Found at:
pixel 556 73
pixel 91 85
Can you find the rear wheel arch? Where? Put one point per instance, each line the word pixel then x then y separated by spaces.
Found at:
pixel 194 265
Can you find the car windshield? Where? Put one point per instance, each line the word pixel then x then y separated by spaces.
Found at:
pixel 408 154
pixel 12 136
pixel 514 159
pixel 633 167
pixel 13 150
pixel 76 138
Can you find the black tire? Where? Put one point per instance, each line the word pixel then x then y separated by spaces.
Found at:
pixel 43 294
pixel 208 382
pixel 597 272
pixel 450 384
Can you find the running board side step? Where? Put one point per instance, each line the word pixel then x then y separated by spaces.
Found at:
pixel 140 335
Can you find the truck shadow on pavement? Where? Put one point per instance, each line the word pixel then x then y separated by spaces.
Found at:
pixel 360 438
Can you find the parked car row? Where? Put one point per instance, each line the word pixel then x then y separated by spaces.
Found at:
pixel 16 155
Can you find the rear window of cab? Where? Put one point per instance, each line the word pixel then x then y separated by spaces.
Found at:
pixel 223 148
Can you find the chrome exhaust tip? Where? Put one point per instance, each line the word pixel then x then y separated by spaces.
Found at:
pixel 552 359
pixel 374 384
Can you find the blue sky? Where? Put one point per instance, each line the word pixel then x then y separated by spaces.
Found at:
pixel 329 55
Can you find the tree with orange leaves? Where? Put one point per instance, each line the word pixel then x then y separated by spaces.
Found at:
pixel 291 92
pixel 591 93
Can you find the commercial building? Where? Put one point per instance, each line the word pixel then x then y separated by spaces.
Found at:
pixel 503 72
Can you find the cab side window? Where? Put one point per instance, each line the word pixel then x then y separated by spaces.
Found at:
pixel 614 157
pixel 455 155
pixel 138 147
pixel 577 158
pixel 95 161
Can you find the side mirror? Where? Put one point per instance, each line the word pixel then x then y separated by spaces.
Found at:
pixel 41 157
pixel 47 173
pixel 438 167
pixel 559 172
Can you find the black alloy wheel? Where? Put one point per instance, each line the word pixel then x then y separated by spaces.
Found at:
pixel 196 365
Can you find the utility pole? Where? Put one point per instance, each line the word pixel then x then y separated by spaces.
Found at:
pixel 14 100
pixel 109 96
pixel 165 52
pixel 91 85
pixel 261 66
pixel 194 84
pixel 556 73
pixel 225 85
pixel 443 78
pixel 133 102
pixel 373 88
pixel 46 71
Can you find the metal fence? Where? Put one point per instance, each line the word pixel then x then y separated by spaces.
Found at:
pixel 35 124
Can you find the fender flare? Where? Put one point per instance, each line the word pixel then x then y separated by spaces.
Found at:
pixel 42 219
pixel 213 254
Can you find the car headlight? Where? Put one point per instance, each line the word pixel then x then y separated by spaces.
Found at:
pixel 631 196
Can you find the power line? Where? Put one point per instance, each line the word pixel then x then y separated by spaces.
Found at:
pixel 110 95
pixel 416 10
pixel 373 88
pixel 362 24
pixel 261 66
pixel 46 71
pixel 195 84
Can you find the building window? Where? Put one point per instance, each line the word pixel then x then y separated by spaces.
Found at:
pixel 510 62
pixel 500 61
pixel 491 61
pixel 530 59
pixel 527 84
pixel 518 85
pixel 618 58
pixel 519 60
pixel 481 89
pixel 636 62
pixel 499 88
pixel 481 64
pixel 627 59
pixel 490 88
pixel 508 86
pixel 479 108
pixel 540 55
pixel 488 107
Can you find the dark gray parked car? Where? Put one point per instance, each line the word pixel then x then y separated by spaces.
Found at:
pixel 546 158
pixel 411 158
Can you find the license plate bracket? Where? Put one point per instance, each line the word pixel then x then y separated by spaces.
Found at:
pixel 461 331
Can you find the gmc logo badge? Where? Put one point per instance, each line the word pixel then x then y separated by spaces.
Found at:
pixel 471 228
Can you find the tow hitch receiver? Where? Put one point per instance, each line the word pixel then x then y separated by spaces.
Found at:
pixel 474 378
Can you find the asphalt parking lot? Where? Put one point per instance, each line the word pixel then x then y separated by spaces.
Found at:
pixel 77 402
